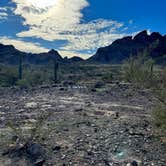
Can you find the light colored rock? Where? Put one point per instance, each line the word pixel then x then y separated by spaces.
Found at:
pixel 31 105
pixel 46 106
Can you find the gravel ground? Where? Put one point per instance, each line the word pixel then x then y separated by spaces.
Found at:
pixel 108 127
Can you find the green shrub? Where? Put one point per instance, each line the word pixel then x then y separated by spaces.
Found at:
pixel 8 76
pixel 139 70
pixel 159 114
pixel 32 79
pixel 35 133
pixel 159 87
pixel 23 83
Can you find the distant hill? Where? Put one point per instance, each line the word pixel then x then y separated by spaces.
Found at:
pixel 10 55
pixel 117 52
pixel 122 49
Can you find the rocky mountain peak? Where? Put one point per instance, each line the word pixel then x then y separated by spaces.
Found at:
pixel 155 36
pixel 121 49
pixel 142 36
pixel 123 40
pixel 52 51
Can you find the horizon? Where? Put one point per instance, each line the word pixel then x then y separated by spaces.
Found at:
pixel 148 33
pixel 75 28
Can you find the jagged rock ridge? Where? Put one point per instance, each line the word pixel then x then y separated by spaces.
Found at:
pixel 122 49
pixel 10 55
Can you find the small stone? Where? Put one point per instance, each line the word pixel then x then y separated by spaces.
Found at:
pixel 34 150
pixel 63 157
pixel 31 105
pixel 39 162
pixel 95 130
pixel 62 89
pixel 78 110
pixel 65 129
pixel 93 90
pixel 134 163
pixel 90 153
pixel 56 148
pixel 117 115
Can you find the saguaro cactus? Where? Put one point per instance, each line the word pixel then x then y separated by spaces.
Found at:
pixel 20 72
pixel 56 67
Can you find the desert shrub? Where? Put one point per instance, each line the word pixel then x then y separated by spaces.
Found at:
pixel 159 114
pixel 160 93
pixel 23 83
pixel 32 79
pixel 35 133
pixel 35 78
pixel 139 70
pixel 159 88
pixel 20 140
pixel 162 77
pixel 31 76
pixel 8 76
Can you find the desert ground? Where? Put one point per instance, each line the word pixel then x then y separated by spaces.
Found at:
pixel 77 125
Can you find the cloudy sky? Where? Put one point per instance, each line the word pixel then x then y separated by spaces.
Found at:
pixel 76 27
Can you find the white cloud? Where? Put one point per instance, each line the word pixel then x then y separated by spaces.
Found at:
pixel 3 15
pixel 22 45
pixel 3 8
pixel 63 21
pixel 4 12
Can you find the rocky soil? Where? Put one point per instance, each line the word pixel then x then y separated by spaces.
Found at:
pixel 105 127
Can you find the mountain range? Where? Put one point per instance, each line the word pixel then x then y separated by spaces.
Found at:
pixel 115 53
pixel 122 49
pixel 10 55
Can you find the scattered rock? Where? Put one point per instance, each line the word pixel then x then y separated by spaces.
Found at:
pixel 31 105
pixel 39 162
pixel 78 110
pixel 34 150
pixel 93 135
pixel 93 90
pixel 99 85
pixel 56 148
pixel 68 83
pixel 134 163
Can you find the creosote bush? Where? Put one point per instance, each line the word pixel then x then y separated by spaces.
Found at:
pixel 8 76
pixel 139 70
pixel 33 134
pixel 34 78
pixel 159 114
pixel 26 140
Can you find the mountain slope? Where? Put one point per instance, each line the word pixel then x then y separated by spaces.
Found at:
pixel 121 49
pixel 10 55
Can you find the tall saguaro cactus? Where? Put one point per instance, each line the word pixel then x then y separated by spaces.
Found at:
pixel 56 67
pixel 20 68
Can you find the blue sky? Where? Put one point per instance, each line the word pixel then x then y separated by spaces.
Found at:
pixel 76 27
